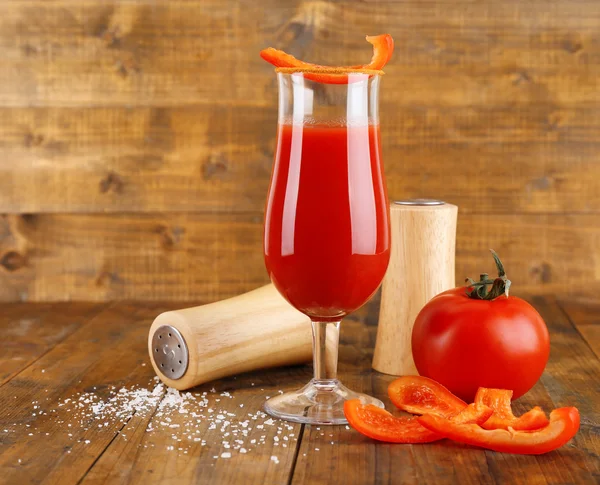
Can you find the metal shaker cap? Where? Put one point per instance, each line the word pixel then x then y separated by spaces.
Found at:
pixel 419 202
pixel 170 352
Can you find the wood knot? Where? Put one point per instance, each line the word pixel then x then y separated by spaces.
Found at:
pixel 215 167
pixel 32 140
pixel 521 77
pixel 170 236
pixel 112 182
pixel 29 219
pixel 13 261
pixel 29 50
pixel 107 278
pixel 127 66
pixel 552 122
pixel 541 183
pixel 572 46
pixel 542 273
pixel 111 37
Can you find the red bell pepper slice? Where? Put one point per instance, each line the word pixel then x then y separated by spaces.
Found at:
pixel 503 417
pixel 421 395
pixel 383 47
pixel 563 425
pixel 378 424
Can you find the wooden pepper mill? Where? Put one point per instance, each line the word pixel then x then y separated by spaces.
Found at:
pixel 255 330
pixel 421 266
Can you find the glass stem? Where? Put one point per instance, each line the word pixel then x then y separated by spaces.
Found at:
pixel 326 338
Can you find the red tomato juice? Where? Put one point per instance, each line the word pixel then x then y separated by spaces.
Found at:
pixel 327 237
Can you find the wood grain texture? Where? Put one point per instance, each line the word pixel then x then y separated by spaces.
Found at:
pixel 570 370
pixel 143 459
pixel 125 452
pixel 218 158
pixel 83 361
pixel 19 346
pixel 585 317
pixel 110 350
pixel 591 334
pixel 196 158
pixel 164 107
pixel 102 257
pixel 123 52
pixel 27 338
pixel 537 250
pixel 204 257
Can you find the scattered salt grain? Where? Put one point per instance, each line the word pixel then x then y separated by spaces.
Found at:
pixel 188 418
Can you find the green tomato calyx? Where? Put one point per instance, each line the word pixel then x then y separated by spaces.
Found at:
pixel 477 290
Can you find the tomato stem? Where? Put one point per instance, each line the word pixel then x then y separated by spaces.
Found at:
pixel 477 290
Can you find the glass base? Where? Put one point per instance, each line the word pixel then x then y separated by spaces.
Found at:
pixel 319 402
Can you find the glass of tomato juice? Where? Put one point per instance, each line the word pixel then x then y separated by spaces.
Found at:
pixel 326 229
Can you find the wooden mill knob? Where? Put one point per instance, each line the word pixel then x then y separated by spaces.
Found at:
pixel 421 266
pixel 255 330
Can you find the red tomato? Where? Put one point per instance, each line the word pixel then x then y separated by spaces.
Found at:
pixel 464 343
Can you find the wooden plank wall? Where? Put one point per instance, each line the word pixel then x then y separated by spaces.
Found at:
pixel 136 136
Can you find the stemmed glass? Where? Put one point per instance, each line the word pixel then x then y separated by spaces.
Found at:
pixel 326 234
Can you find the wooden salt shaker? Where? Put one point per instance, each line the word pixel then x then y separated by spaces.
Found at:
pixel 421 266
pixel 255 330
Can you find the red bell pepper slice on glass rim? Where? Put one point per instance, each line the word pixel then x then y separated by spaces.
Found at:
pixel 563 425
pixel 421 395
pixel 383 47
pixel 379 424
pixel 503 417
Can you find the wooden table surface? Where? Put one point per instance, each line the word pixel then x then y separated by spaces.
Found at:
pixel 53 352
